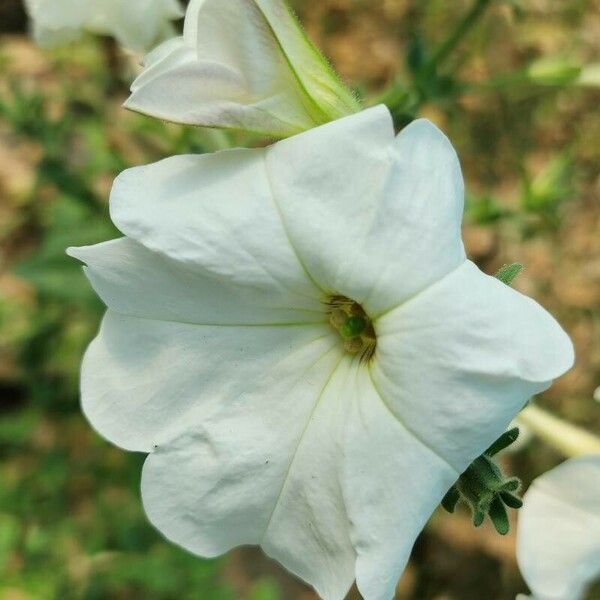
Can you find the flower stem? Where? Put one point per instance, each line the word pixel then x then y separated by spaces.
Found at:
pixel 444 50
pixel 218 139
pixel 403 100
pixel 568 439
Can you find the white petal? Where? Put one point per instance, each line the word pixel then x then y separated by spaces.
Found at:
pixel 190 25
pixel 142 380
pixel 170 55
pixel 140 24
pixel 55 14
pixel 374 219
pixel 263 469
pixel 137 282
pixel 253 36
pixel 458 361
pixel 182 89
pixel 55 23
pixel 161 51
pixel 216 215
pixel 392 484
pixel 245 65
pixel 54 38
pixel 137 24
pixel 558 536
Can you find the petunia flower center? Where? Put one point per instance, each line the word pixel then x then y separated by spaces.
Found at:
pixel 353 324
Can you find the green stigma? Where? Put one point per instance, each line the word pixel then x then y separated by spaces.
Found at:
pixel 353 327
pixel 350 320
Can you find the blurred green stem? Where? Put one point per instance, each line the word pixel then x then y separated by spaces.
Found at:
pixel 565 437
pixel 446 48
pixel 404 101
pixel 218 139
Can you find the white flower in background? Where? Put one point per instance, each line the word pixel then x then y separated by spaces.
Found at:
pixel 295 337
pixel 558 535
pixel 136 24
pixel 242 64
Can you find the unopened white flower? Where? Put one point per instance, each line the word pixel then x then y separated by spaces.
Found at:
pixel 558 535
pixel 136 24
pixel 242 64
pixel 296 338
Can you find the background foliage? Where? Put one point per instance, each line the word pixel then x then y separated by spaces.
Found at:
pixel 71 525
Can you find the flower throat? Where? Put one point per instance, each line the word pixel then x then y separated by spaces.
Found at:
pixel 350 320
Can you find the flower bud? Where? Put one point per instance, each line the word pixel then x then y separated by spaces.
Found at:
pixel 553 71
pixel 241 64
pixel 590 75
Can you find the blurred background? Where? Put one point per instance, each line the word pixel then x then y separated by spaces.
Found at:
pixel 524 117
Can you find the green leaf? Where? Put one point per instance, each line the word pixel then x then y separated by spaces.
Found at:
pixel 484 210
pixel 549 188
pixel 52 273
pixel 508 273
pixel 265 589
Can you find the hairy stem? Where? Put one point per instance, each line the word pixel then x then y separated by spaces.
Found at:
pixel 444 50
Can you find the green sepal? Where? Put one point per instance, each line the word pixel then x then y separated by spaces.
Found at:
pixel 511 500
pixel 503 442
pixel 511 485
pixel 485 489
pixel 478 517
pixel 450 500
pixel 508 273
pixel 499 516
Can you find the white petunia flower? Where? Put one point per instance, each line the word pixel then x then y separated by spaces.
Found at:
pixel 296 338
pixel 136 24
pixel 558 537
pixel 241 64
